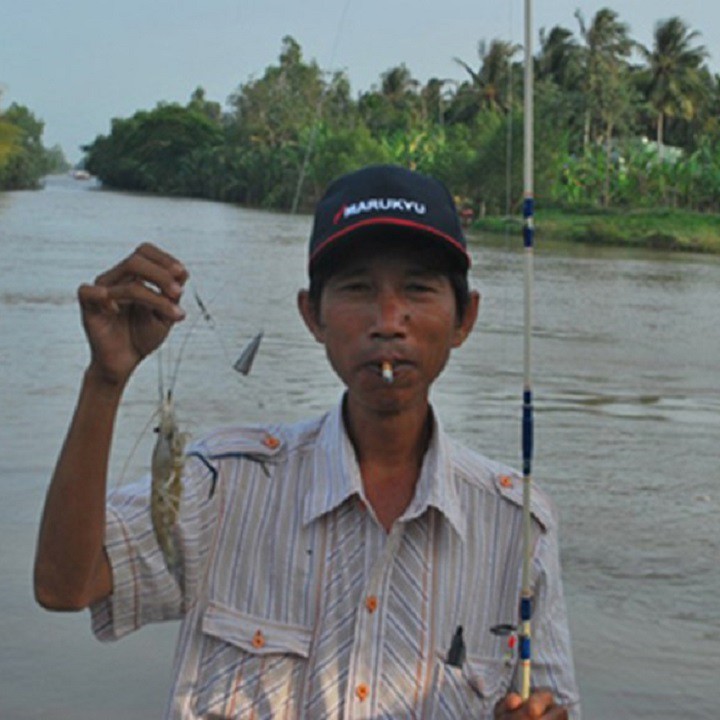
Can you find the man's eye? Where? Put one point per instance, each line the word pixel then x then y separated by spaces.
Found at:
pixel 355 286
pixel 420 287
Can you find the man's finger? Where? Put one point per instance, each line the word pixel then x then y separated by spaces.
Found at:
pixel 138 293
pixel 539 706
pixel 510 702
pixel 539 702
pixel 149 264
pixel 96 297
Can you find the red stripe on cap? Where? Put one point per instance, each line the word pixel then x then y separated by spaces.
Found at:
pixel 390 221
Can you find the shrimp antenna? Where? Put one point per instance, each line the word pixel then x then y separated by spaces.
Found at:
pixel 243 364
pixel 123 472
pixel 183 345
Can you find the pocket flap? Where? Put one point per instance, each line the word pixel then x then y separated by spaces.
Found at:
pixel 255 634
pixel 488 676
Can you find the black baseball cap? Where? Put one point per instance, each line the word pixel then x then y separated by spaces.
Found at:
pixel 363 203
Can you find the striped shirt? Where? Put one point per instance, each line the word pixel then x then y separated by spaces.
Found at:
pixel 296 603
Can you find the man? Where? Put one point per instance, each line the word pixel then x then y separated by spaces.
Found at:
pixel 360 565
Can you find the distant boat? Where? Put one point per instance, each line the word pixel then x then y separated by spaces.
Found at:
pixel 81 174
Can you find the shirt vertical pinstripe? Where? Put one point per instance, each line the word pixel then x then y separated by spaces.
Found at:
pixel 295 603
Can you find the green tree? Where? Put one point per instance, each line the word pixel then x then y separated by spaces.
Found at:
pixel 285 134
pixel 396 107
pixel 491 83
pixel 200 104
pixel 606 82
pixel 559 59
pixel 9 139
pixel 435 98
pixel 275 109
pixel 25 159
pixel 270 118
pixel 55 160
pixel 10 136
pixel 455 162
pixel 339 151
pixel 710 114
pixel 150 151
pixel 675 86
pixel 605 79
pixel 559 75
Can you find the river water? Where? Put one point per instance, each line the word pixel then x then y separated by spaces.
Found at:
pixel 627 379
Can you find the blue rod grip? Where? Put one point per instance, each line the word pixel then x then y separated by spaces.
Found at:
pixel 525 609
pixel 527 431
pixel 528 227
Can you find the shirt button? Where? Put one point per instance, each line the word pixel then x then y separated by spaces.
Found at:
pixel 371 603
pixel 258 640
pixel 271 442
pixel 362 691
pixel 506 481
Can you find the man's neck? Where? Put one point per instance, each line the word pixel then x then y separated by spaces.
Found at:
pixel 390 449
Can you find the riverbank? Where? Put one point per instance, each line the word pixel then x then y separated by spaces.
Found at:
pixel 657 229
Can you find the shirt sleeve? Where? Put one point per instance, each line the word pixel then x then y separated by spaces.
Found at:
pixel 552 660
pixel 145 590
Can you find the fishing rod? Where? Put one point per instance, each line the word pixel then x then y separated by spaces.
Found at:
pixel 526 597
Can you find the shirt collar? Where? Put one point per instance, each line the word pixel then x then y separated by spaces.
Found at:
pixel 335 472
pixel 336 475
pixel 437 486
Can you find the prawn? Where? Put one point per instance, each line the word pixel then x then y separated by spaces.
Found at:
pixel 168 455
pixel 168 461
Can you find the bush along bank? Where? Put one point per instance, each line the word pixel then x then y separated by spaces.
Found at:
pixel 659 229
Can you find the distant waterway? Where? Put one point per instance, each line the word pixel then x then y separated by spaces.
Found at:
pixel 627 379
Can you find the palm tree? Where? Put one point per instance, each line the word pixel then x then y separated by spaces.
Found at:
pixel 607 48
pixel 675 84
pixel 398 84
pixel 560 75
pixel 606 83
pixel 559 58
pixel 396 106
pixel 435 97
pixel 490 82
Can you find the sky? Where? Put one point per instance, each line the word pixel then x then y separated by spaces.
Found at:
pixel 77 64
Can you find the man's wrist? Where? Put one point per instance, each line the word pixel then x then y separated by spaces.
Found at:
pixel 103 385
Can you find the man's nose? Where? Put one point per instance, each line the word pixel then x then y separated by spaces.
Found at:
pixel 391 314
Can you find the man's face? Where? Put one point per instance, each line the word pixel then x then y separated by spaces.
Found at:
pixel 388 307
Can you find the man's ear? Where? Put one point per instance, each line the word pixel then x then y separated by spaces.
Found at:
pixel 467 321
pixel 310 314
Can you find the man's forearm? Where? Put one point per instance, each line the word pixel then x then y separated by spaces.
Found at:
pixel 71 568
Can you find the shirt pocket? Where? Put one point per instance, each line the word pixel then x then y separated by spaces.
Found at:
pixel 249 664
pixel 471 691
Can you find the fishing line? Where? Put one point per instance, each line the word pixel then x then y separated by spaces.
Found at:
pixel 502 322
pixel 318 113
pixel 165 362
pixel 509 157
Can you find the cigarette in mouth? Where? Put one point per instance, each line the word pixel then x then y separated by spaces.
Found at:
pixel 387 372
